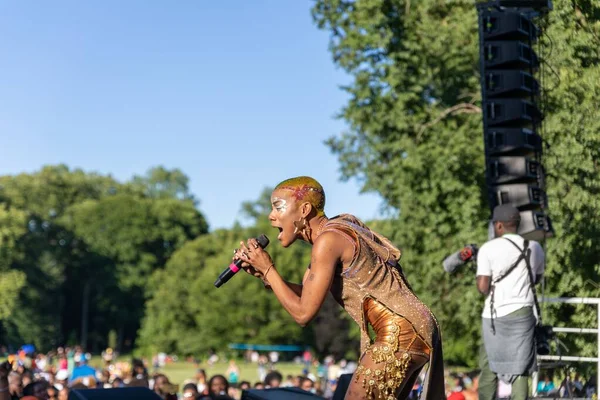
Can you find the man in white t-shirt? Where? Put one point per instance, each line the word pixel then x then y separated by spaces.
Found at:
pixel 508 320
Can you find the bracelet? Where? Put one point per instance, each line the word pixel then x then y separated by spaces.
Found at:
pixel 267 271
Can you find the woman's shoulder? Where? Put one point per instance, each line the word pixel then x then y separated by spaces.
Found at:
pixel 346 220
pixel 345 217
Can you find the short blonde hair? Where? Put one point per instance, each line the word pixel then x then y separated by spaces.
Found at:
pixel 307 189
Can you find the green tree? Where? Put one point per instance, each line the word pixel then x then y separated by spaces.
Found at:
pixel 572 160
pixel 415 137
pixel 86 247
pixel 137 236
pixel 160 182
pixel 12 227
pixel 45 252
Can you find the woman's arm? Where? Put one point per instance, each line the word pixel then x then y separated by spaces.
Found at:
pixel 329 249
pixel 295 287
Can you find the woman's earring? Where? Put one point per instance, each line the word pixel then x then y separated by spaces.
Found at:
pixel 303 228
pixel 299 225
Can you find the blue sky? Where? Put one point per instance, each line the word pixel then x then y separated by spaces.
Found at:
pixel 238 94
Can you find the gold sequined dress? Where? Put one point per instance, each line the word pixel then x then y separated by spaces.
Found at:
pixel 373 290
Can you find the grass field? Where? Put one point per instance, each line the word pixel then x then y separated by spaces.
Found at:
pixel 179 371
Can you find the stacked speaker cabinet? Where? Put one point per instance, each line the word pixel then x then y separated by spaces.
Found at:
pixel 511 110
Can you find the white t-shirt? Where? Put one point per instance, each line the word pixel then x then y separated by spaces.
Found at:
pixel 513 292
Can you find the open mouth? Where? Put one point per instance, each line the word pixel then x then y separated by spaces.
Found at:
pixel 280 232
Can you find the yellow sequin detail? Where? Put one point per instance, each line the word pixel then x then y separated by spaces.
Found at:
pixel 390 375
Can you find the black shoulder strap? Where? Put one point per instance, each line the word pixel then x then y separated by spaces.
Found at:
pixel 527 252
pixel 525 255
pixel 522 256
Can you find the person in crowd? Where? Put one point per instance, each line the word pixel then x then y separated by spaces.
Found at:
pixel 233 392
pixel 50 378
pixel 63 363
pixel 307 358
pixel 201 381
pixel 164 388
pixel 104 379
pixel 108 356
pixel 218 386
pixel 37 389
pixel 26 377
pixel 63 394
pixel 361 269
pixel 273 379
pixel 545 385
pixel 233 373
pixel 15 385
pixel 259 385
pixel 297 380
pixel 77 385
pixel 454 395
pixel 262 366
pixel 288 382
pixel 590 388
pixel 577 385
pixel 274 359
pixel 118 383
pixel 62 378
pixel 190 391
pixel 508 321
pixel 307 384
pixel 135 382
pixel 139 369
pixel 457 383
pixel 244 385
pixel 5 392
pixel 52 392
pixel 456 387
pixel 471 392
pixel 83 370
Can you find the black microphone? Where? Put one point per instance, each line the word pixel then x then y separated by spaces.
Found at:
pixel 235 266
pixel 459 258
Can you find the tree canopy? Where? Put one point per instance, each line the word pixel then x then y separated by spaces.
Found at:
pixel 415 137
pixel 79 248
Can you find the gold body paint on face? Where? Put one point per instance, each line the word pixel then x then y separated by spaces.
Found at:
pixel 280 204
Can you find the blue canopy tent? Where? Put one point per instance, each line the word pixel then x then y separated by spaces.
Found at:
pixel 266 347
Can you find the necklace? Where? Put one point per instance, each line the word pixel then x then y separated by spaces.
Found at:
pixel 320 227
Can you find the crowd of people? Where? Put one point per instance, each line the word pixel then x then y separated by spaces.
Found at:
pixel 465 386
pixel 51 376
pixel 31 375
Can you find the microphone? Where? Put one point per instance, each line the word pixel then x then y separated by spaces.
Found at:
pixel 459 258
pixel 235 266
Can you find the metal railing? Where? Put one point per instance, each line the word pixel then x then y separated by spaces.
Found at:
pixel 574 300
